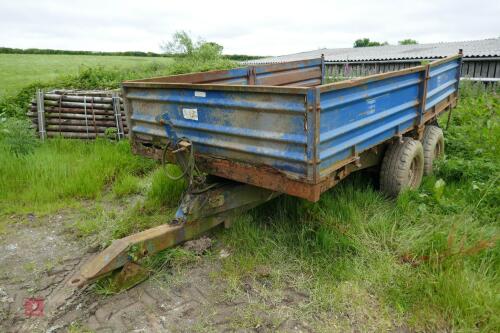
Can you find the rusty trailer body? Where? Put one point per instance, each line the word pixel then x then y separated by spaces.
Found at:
pixel 279 126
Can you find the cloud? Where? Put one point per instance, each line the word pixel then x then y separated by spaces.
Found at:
pixel 251 27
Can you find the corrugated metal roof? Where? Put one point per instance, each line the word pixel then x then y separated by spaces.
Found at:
pixel 472 49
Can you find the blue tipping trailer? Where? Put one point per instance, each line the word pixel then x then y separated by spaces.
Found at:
pixel 267 130
pixel 279 126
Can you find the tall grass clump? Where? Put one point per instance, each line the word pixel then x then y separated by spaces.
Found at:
pixel 62 170
pixel 164 191
pixel 429 259
pixel 157 202
pixel 126 184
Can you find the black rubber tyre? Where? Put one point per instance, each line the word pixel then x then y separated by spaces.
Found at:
pixel 433 143
pixel 402 167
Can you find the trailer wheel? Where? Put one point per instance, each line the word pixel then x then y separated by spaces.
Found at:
pixel 402 167
pixel 433 143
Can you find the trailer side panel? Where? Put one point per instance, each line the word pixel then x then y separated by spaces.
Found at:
pixel 357 117
pixel 259 128
pixel 442 82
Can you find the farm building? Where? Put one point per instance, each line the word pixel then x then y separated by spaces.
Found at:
pixel 481 60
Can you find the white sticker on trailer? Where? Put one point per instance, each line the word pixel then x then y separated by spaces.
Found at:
pixel 190 114
pixel 200 94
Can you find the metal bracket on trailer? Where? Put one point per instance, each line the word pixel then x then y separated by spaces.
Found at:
pixel 197 213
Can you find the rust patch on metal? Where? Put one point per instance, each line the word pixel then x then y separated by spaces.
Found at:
pixel 270 178
pixel 261 176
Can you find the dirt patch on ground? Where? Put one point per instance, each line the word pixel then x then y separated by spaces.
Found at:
pixel 39 255
pixel 198 246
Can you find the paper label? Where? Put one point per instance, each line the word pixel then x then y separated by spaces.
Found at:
pixel 190 114
pixel 200 94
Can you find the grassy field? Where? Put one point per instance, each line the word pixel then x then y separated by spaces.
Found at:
pixel 20 70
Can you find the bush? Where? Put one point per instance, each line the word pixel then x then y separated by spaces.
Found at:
pixel 17 136
pixel 17 105
pixel 471 139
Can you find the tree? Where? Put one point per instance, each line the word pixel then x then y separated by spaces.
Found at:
pixel 208 50
pixel 183 44
pixel 366 42
pixel 407 41
pixel 216 47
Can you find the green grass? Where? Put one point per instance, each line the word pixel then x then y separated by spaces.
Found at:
pixel 61 171
pixel 20 70
pixel 160 198
pixel 164 191
pixel 126 184
pixel 430 259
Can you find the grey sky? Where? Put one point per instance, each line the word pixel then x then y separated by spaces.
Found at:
pixel 250 27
